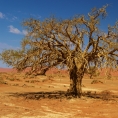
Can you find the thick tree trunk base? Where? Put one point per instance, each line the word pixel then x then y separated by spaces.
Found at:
pixel 76 88
pixel 76 76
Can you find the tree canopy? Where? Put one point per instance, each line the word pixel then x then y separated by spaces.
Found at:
pixel 76 43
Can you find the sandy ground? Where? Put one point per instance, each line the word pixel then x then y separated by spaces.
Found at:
pixel 46 97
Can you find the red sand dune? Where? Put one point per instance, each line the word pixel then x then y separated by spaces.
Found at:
pixel 54 70
pixel 112 72
pixel 7 70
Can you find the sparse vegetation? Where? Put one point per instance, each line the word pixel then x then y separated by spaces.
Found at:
pixel 96 82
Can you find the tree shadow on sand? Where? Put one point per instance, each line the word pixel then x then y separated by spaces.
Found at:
pixel 43 95
pixel 104 95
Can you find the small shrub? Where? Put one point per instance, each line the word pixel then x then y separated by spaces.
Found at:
pixel 106 94
pixel 109 76
pixel 34 81
pixel 2 81
pixel 27 81
pixel 11 79
pixel 96 82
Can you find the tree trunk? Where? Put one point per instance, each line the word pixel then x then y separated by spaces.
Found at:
pixel 76 82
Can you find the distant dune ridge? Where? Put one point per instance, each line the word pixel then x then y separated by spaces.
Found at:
pixel 113 72
pixel 54 70
pixel 7 70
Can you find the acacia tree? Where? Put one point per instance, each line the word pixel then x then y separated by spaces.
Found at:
pixel 76 43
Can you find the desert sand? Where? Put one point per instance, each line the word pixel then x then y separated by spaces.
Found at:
pixel 46 96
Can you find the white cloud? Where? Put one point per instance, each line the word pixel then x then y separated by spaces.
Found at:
pixel 14 30
pixel 14 18
pixel 1 15
pixel 8 17
pixel 35 16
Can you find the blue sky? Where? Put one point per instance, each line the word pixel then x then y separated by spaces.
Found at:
pixel 14 12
